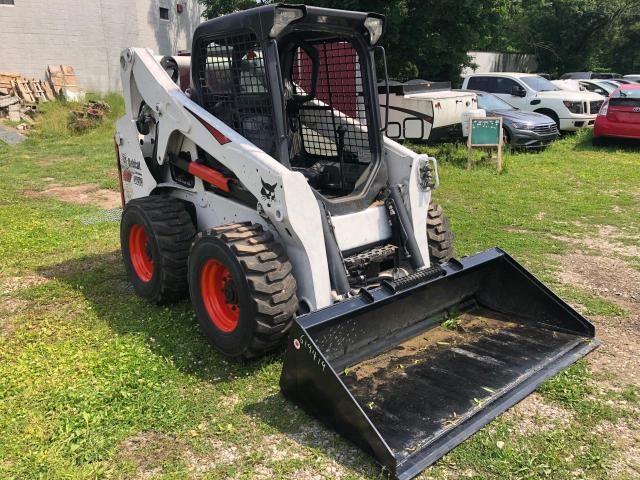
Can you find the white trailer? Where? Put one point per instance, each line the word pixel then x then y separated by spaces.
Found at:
pixel 428 111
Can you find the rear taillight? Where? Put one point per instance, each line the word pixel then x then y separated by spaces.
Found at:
pixel 604 108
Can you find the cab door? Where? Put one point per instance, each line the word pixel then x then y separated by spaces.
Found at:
pixel 504 88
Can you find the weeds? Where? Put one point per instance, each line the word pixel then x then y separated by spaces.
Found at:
pixel 88 369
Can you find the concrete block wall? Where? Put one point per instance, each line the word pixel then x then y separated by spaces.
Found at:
pixel 89 35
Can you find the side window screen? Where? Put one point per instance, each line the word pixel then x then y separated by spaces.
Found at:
pixel 339 93
pixel 234 87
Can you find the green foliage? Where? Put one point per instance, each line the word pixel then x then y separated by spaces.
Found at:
pixel 568 35
pixel 430 38
pixel 215 8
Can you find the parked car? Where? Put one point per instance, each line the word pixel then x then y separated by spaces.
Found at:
pixel 601 87
pixel 570 84
pixel 619 116
pixel 612 83
pixel 570 110
pixel 634 76
pixel 624 81
pixel 522 129
pixel 589 75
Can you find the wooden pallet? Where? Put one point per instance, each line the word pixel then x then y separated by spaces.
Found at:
pixel 29 91
pixel 63 77
pixel 21 86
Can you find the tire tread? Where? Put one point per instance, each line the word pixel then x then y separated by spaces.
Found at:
pixel 271 283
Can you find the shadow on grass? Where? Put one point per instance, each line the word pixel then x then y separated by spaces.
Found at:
pixel 171 330
pixel 302 429
pixel 173 333
pixel 585 143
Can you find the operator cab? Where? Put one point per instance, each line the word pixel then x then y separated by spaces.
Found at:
pixel 299 83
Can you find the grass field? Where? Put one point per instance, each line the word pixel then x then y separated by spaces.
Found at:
pixel 98 384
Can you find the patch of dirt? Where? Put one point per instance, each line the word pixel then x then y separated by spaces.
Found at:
pixel 10 285
pixel 277 448
pixel 342 454
pixel 534 415
pixel 467 328
pixel 307 474
pixel 263 473
pixel 88 193
pixel 218 453
pixel 149 451
pixel 607 277
pixel 627 441
pixel 606 240
pixel 613 279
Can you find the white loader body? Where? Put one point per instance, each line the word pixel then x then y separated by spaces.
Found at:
pixel 291 211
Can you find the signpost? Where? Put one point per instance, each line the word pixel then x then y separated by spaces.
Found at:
pixel 485 132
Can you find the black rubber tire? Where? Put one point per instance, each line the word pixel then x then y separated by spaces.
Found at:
pixel 264 287
pixel 439 235
pixel 170 230
pixel 506 135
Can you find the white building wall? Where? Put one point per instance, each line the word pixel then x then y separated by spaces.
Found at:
pixel 501 62
pixel 89 35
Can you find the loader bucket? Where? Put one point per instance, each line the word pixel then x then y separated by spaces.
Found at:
pixel 409 370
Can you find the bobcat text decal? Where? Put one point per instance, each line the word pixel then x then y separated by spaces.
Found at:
pixel 304 344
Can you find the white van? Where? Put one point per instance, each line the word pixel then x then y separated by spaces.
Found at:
pixel 571 110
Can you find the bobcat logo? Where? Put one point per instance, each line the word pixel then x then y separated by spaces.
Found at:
pixel 268 192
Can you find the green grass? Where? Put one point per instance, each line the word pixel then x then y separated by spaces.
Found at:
pixel 87 367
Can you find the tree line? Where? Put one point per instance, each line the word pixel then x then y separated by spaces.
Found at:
pixel 431 38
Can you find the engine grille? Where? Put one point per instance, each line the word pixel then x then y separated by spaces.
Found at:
pixel 594 107
pixel 546 129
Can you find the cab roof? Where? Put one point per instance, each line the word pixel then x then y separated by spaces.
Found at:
pixel 260 21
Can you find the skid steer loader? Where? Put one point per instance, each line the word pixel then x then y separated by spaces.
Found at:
pixel 268 193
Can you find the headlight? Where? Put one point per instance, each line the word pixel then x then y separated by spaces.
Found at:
pixel 282 17
pixel 374 26
pixel 522 126
pixel 574 107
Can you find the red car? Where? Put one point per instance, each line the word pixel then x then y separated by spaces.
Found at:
pixel 619 116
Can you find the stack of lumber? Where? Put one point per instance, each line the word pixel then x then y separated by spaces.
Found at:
pixel 63 81
pixel 29 91
pixel 19 96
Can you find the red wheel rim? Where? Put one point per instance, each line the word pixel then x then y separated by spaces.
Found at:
pixel 140 253
pixel 219 295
